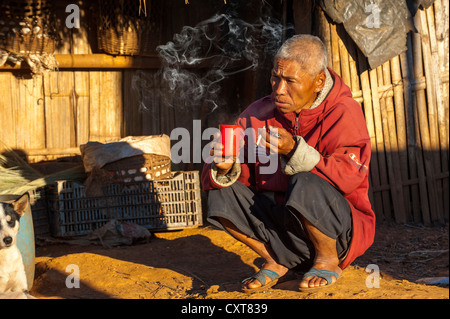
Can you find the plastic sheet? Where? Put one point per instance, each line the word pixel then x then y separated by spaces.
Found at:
pixel 378 27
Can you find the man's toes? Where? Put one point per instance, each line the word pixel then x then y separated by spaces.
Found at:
pixel 319 282
pixel 252 284
pixel 305 283
pixel 314 282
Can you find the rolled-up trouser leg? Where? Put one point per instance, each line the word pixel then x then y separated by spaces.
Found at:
pixel 323 206
pixel 257 216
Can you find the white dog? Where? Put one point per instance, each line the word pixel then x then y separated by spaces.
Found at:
pixel 13 280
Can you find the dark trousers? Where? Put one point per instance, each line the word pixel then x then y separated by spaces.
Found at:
pixel 256 215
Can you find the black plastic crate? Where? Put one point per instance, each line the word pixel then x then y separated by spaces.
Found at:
pixel 173 203
pixel 39 211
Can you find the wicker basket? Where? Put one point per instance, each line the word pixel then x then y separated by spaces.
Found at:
pixel 140 168
pixel 27 26
pixel 123 27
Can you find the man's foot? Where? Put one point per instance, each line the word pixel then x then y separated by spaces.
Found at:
pixel 324 273
pixel 253 283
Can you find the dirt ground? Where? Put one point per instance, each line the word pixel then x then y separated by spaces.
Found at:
pixel 206 263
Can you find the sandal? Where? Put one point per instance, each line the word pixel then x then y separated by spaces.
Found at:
pixel 261 277
pixel 325 274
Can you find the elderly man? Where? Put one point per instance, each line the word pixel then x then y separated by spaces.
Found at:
pixel 312 212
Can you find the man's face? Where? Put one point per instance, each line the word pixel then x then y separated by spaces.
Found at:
pixel 293 89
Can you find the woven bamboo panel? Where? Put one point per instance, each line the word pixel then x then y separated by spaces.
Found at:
pixel 405 104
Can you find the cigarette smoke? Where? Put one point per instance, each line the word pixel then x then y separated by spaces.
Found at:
pixel 225 45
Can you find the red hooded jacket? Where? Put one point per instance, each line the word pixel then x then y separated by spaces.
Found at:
pixel 337 130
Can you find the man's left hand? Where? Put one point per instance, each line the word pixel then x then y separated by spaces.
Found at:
pixel 284 144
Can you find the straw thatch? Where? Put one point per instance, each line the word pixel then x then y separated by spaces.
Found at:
pixel 17 177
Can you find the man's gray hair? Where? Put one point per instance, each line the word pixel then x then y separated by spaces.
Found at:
pixel 307 50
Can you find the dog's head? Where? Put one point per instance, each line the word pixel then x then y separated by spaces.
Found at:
pixel 10 214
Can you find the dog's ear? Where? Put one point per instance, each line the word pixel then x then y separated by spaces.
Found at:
pixel 20 205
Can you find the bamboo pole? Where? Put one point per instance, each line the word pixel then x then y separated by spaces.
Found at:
pixel 98 61
pixel 441 116
pixel 352 55
pixel 441 10
pixel 423 127
pixel 396 132
pixel 7 133
pixel 399 105
pixel 436 213
pixel 368 114
pixel 425 200
pixel 435 71
pixel 335 49
pixel 380 144
pixel 325 33
pixel 395 188
pixel 430 91
pixel 343 55
pixel 406 63
pixel 400 121
pixel 385 72
pixel 421 133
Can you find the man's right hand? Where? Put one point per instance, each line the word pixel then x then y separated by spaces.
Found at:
pixel 222 163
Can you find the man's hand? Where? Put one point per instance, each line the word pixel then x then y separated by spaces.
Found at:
pixel 222 163
pixel 284 144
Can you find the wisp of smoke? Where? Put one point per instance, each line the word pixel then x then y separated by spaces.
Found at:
pixel 226 45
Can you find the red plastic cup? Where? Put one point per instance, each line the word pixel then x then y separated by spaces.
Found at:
pixel 231 135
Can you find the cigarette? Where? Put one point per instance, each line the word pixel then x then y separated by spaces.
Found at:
pixel 259 139
pixel 277 135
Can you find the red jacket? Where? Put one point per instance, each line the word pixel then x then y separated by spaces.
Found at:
pixel 337 129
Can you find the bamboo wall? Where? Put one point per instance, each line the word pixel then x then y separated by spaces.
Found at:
pixel 50 115
pixel 405 102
